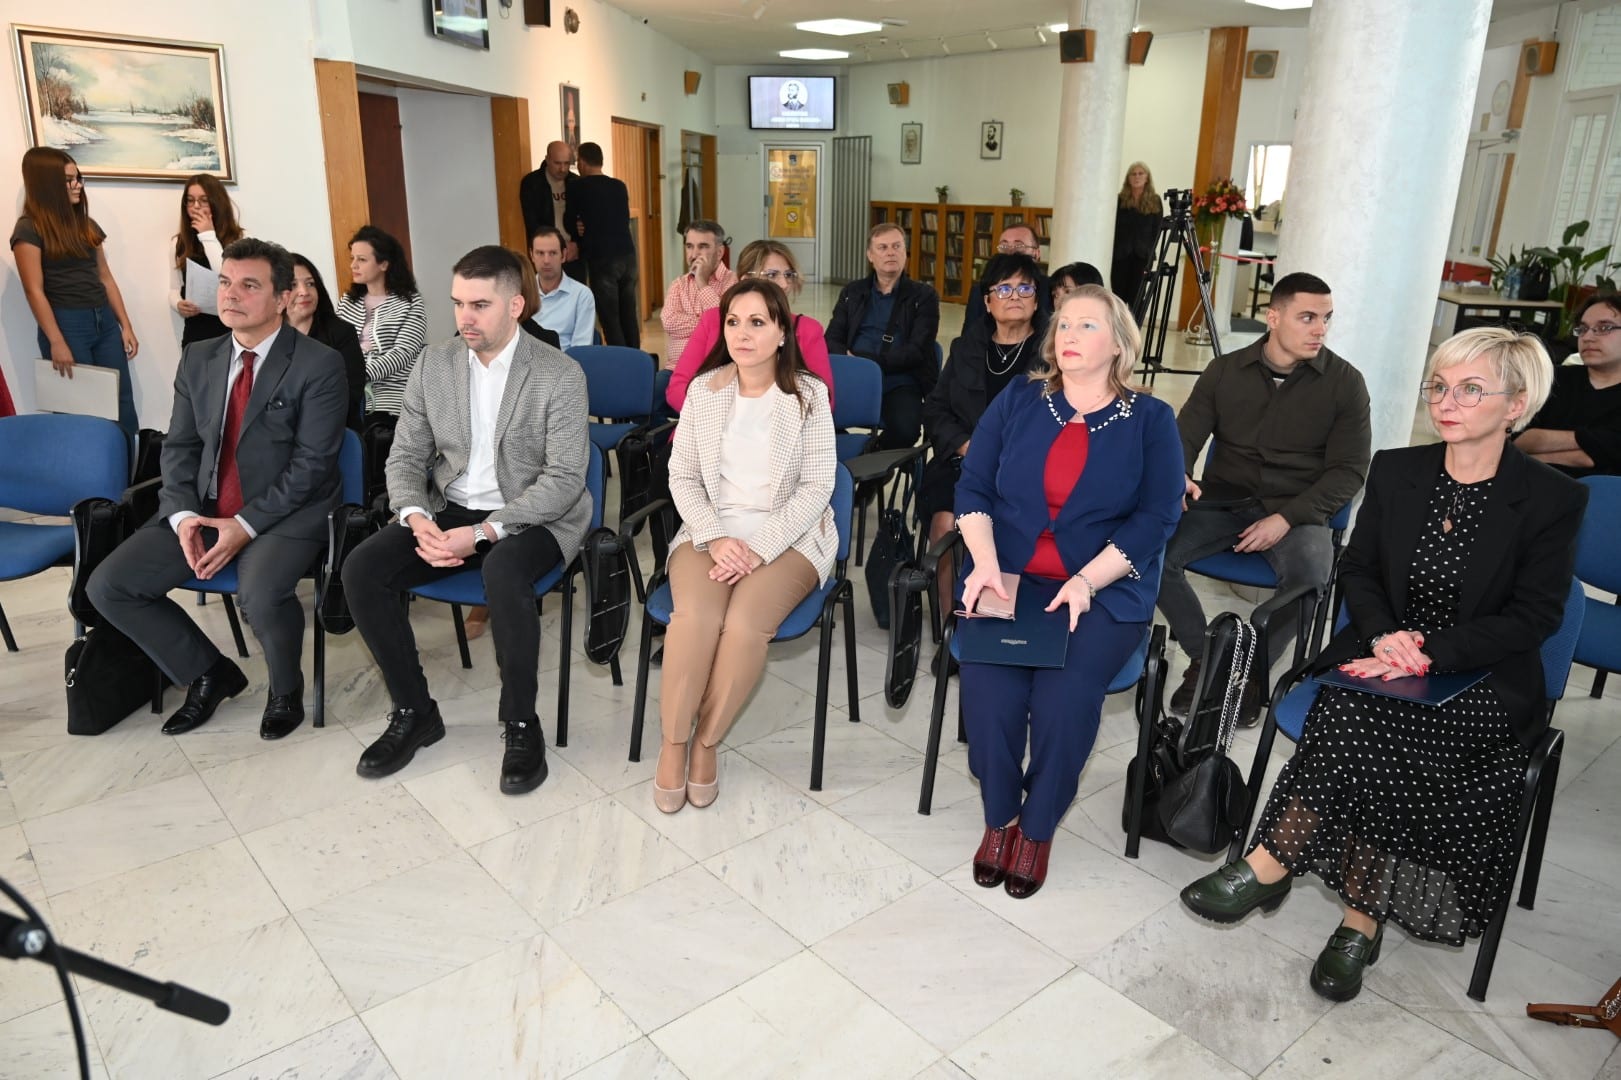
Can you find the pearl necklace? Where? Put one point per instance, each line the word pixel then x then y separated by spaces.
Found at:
pixel 1122 411
pixel 1008 363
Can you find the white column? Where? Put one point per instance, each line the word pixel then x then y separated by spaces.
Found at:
pixel 1091 124
pixel 1379 144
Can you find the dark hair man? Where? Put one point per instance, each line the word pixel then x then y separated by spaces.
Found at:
pixel 567 307
pixel 697 290
pixel 603 226
pixel 1579 430
pixel 547 197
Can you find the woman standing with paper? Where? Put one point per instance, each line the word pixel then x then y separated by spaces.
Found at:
pixel 62 261
pixel 208 225
pixel 1461 561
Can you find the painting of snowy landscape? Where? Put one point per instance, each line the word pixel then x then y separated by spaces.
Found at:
pixel 127 107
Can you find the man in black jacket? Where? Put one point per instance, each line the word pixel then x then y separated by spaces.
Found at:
pixel 602 207
pixel 890 318
pixel 548 196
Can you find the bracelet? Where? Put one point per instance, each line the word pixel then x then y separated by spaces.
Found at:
pixel 1092 590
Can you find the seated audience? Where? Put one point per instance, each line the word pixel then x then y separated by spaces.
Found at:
pixel 697 290
pixel 531 306
pixel 567 307
pixel 250 472
pixel 1015 240
pixel 310 312
pixel 1460 561
pixel 386 310
pixel 1578 431
pixel 752 475
pixel 207 225
pixel 892 319
pixel 1108 497
pixel 771 261
pixel 467 498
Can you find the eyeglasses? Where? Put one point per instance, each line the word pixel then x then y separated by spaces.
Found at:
pixel 1024 289
pixel 1017 247
pixel 1602 329
pixel 201 200
pixel 1467 395
pixel 75 181
pixel 777 275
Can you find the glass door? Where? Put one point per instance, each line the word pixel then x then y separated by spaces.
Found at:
pixel 793 190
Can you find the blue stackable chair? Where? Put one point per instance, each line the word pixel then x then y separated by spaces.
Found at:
pixel 1292 699
pixel 1599 647
pixel 816 610
pixel 619 385
pixel 353 487
pixel 858 403
pixel 466 589
pixel 48 462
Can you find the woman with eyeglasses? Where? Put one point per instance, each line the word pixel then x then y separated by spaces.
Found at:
pixel 1579 431
pixel 1137 216
pixel 208 225
pixel 770 261
pixel 1460 561
pixel 62 260
pixel 388 315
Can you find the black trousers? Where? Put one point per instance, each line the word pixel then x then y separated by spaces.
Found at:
pixel 902 414
pixel 378 572
pixel 613 284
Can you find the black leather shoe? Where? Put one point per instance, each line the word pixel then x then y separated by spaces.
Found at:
pixel 1182 700
pixel 1337 975
pixel 283 713
pixel 408 731
pixel 1233 892
pixel 1249 706
pixel 523 766
pixel 207 693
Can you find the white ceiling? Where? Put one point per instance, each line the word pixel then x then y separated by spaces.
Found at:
pixel 752 31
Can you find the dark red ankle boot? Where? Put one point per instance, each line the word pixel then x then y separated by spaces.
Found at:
pixel 1027 870
pixel 994 854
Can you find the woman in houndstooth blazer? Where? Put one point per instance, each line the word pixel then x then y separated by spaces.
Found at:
pixel 752 475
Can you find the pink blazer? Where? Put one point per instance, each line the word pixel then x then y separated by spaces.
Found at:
pixel 812 346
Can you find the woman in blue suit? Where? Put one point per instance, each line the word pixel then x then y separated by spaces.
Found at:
pixel 1072 476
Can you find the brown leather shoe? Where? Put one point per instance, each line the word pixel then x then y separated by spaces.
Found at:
pixel 476 621
pixel 994 854
pixel 1027 869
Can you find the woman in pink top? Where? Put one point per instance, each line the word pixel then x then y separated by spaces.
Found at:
pixel 762 259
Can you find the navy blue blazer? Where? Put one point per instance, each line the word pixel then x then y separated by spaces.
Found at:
pixel 1129 494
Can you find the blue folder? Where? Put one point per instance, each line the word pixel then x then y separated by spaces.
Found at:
pixel 1033 638
pixel 1423 689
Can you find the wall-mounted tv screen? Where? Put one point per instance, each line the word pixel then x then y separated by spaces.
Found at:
pixel 791 102
pixel 460 22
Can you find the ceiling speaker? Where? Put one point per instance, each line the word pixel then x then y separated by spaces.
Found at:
pixel 900 93
pixel 1538 57
pixel 537 12
pixel 1077 46
pixel 1260 63
pixel 689 81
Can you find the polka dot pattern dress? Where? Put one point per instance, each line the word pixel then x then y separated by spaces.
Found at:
pixel 1407 810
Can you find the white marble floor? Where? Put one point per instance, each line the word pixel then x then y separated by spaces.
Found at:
pixel 427 926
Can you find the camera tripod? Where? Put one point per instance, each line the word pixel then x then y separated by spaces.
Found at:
pixel 1157 291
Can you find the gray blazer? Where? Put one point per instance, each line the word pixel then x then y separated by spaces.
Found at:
pixel 541 445
pixel 287 453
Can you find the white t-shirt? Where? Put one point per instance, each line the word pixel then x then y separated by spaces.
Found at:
pixel 743 500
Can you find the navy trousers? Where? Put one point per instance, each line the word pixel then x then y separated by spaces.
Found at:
pixel 1055 710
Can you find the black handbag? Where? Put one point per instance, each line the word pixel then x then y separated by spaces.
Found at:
pixel 99 525
pixel 376 440
pixel 607 595
pixel 347 527
pixel 148 455
pixel 892 545
pixel 643 461
pixel 108 677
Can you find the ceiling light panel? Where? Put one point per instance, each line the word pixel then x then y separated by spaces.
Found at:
pixel 839 27
pixel 814 54
pixel 1281 5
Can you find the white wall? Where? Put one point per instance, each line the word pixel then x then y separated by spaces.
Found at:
pixel 1267 107
pixel 1528 210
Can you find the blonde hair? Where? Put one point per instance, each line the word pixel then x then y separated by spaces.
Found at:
pixel 1122 328
pixel 1518 361
pixel 1149 202
pixel 753 256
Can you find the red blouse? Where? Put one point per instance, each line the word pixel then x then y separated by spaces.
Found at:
pixel 1065 463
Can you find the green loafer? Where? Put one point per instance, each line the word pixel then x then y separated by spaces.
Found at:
pixel 1233 892
pixel 1337 975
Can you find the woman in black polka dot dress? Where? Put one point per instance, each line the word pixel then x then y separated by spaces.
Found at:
pixel 1460 561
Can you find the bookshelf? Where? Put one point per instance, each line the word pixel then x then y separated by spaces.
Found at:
pixel 947 244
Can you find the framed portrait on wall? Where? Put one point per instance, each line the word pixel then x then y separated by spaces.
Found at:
pixel 911 144
pixel 570 109
pixel 129 108
pixel 990 139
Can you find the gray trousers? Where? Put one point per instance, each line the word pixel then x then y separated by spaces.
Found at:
pixel 131 589
pixel 1305 556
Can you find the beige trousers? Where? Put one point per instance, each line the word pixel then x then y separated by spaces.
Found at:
pixel 715 649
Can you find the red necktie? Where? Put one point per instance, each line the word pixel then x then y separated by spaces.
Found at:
pixel 229 497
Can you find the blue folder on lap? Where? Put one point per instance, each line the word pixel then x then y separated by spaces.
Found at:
pixel 1423 689
pixel 1033 638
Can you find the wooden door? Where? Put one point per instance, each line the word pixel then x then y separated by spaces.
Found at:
pixel 385 167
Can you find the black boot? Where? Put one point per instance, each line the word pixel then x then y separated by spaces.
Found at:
pixel 523 766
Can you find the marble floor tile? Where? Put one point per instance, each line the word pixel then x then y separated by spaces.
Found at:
pixel 666 949
pixel 910 723
pixel 641 1060
pixel 344 1051
pixel 1096 817
pixel 26 985
pixel 304 776
pixel 801 1018
pixel 1371 1037
pixel 71 774
pixel 1045 1036
pixel 97 840
pixel 775 704
pixel 1612 1068
pixel 580 859
pixel 526 1012
pixel 796 662
pixel 276 986
pixel 386 939
pixel 944 1069
pixel 38 1045
pixel 342 848
pixel 751 802
pixel 944 989
pixel 1582 823
pixel 1089 900
pixel 944 838
pixel 854 757
pixel 1235 990
pixel 599 746
pixel 467 799
pixel 187 902
pixel 816 875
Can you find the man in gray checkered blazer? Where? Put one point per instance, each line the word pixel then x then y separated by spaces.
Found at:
pixel 488 471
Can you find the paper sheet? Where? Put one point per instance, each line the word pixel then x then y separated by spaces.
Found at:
pixel 202 287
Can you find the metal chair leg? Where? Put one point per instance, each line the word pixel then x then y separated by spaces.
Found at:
pixel 850 652
pixel 564 636
pixel 236 625
pixel 937 715
pixel 639 705
pixel 319 702
pixel 1547 784
pixel 5 632
pixel 824 664
pixel 461 635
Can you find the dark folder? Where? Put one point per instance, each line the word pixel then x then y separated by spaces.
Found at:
pixel 1423 689
pixel 1033 638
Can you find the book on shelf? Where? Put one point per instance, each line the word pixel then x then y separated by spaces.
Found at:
pixel 931 220
pixel 954 221
pixel 982 246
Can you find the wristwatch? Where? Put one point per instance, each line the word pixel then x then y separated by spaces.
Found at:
pixel 481 540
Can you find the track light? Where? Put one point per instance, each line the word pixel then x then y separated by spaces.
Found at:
pixel 990 40
pixel 1041 35
pixel 944 47
pixel 904 54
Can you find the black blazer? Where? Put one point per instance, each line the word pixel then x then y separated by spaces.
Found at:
pixel 913 324
pixel 340 337
pixel 955 404
pixel 1514 587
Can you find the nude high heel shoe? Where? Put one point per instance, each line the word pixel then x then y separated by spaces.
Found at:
pixel 669 800
pixel 701 795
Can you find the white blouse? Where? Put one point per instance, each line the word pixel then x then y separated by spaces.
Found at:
pixel 743 499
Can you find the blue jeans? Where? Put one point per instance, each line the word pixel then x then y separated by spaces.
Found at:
pixel 94 337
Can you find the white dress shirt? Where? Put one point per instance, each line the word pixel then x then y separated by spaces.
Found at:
pixel 260 351
pixel 570 310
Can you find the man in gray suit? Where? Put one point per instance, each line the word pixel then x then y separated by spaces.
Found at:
pixel 487 470
pixel 250 472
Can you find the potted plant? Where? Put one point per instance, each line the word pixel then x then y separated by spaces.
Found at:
pixel 1017 196
pixel 943 191
pixel 1567 267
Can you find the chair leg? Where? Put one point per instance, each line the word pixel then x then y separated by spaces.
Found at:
pixel 461 635
pixel 1486 956
pixel 613 669
pixel 824 664
pixel 937 717
pixel 319 704
pixel 639 705
pixel 236 625
pixel 1547 783
pixel 1148 705
pixel 565 633
pixel 157 691
pixel 1597 691
pixel 202 599
pixel 850 653
pixel 5 631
